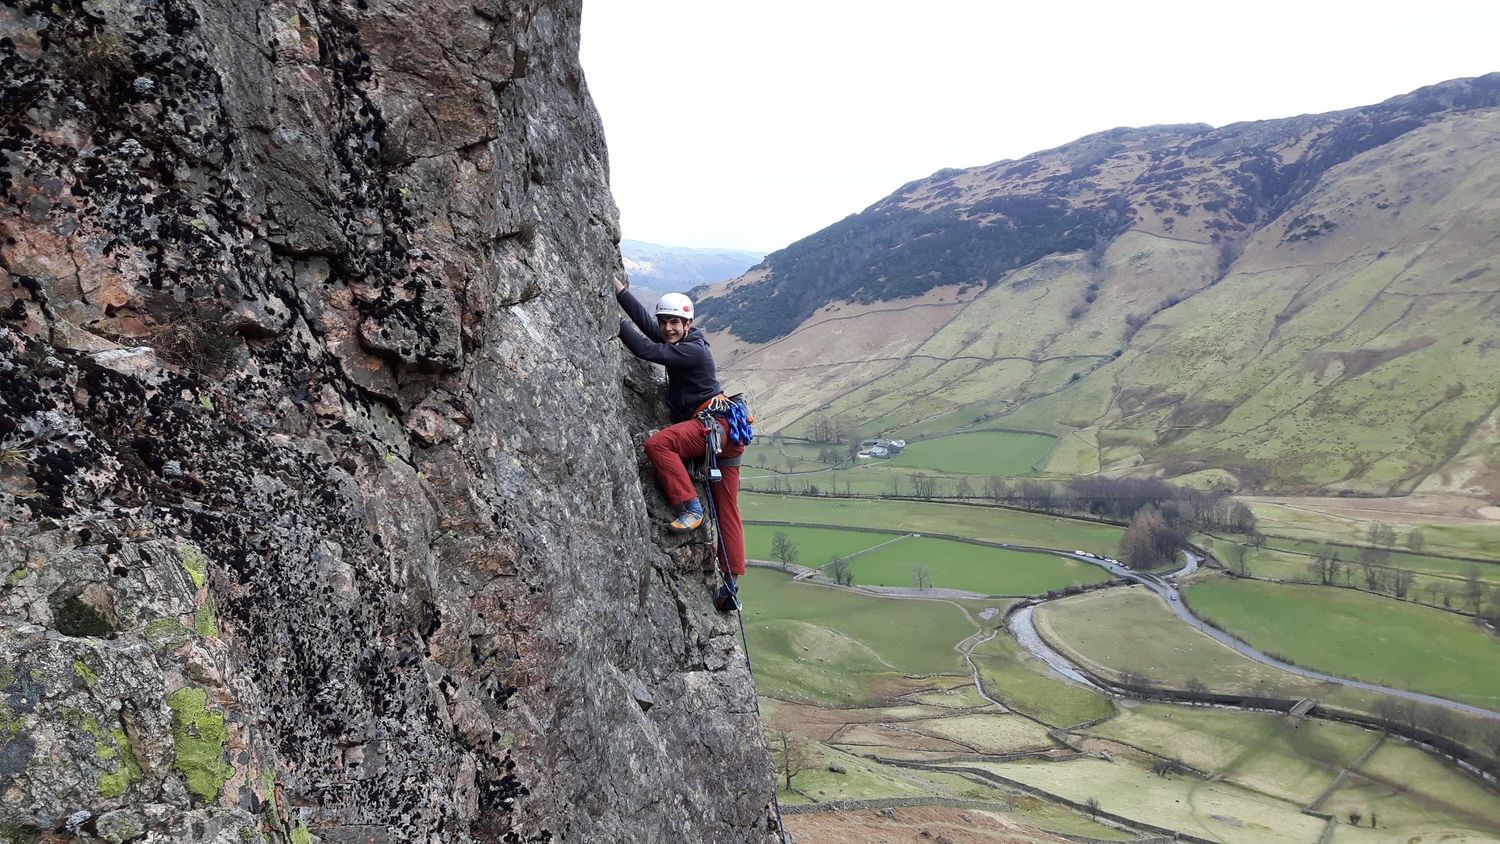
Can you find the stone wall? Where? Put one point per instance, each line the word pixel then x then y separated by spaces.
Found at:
pixel 321 510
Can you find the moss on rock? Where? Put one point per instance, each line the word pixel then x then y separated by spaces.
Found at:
pixel 205 620
pixel 115 745
pixel 194 563
pixel 198 739
pixel 83 671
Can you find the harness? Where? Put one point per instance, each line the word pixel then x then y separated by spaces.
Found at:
pixel 737 418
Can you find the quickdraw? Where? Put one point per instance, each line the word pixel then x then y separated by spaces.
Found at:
pixel 735 411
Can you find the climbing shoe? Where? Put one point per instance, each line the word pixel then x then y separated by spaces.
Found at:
pixel 726 599
pixel 689 517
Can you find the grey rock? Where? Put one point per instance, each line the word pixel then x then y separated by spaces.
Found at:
pixel 321 507
pixel 120 826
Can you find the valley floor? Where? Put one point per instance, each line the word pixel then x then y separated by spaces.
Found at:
pixel 905 745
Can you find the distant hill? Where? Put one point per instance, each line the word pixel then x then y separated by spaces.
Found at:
pixel 1305 304
pixel 668 268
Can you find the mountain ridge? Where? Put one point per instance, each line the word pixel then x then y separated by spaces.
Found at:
pixel 1179 213
pixel 1044 203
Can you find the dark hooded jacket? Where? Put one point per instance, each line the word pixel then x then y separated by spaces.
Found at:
pixel 691 379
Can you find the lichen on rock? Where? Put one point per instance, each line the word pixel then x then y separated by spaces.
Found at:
pixel 198 741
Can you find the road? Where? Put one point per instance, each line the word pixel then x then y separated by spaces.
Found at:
pixel 1166 587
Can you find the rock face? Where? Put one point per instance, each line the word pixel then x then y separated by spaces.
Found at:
pixel 321 511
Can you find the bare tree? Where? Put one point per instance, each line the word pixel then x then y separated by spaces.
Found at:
pixel 1092 805
pixel 828 429
pixel 921 576
pixel 1401 580
pixel 1239 560
pixel 784 549
pixel 896 483
pixel 1149 540
pixel 790 753
pixel 923 485
pixel 1489 739
pixel 842 574
pixel 1416 540
pixel 1324 566
pixel 1381 534
pixel 1474 587
pixel 995 488
pixel 963 489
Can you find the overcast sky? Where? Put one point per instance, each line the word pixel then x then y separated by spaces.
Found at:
pixel 750 125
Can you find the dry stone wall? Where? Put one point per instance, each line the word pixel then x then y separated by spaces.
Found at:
pixel 321 509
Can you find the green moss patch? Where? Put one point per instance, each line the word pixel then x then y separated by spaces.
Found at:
pixel 194 563
pixel 198 739
pixel 205 620
pixel 83 671
pixel 115 745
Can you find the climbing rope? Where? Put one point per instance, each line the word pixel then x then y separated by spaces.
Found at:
pixel 730 584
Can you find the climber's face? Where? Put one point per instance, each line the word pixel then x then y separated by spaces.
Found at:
pixel 673 328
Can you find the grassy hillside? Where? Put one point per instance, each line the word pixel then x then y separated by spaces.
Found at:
pixel 1307 305
pixel 1358 635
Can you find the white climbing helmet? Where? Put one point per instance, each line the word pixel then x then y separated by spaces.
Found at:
pixel 674 304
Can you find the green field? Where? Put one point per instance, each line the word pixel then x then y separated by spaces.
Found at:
pixel 818 643
pixel 1288 558
pixel 1460 538
pixel 1436 581
pixel 1219 811
pixel 1352 634
pixel 1024 683
pixel 1258 750
pixel 993 524
pixel 1411 789
pixel 972 568
pixel 1130 631
pixel 784 455
pixel 815 546
pixel 979 453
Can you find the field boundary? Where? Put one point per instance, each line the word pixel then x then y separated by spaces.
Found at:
pixel 1484 711
pixel 1076 517
pixel 943 803
pixel 1007 782
pixel 1338 781
pixel 1477 764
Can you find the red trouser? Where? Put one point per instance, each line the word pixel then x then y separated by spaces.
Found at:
pixel 667 449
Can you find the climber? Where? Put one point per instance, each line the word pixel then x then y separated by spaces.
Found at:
pixel 692 387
